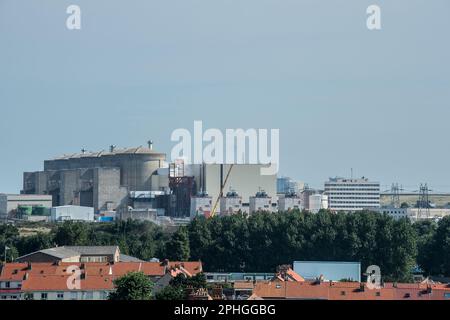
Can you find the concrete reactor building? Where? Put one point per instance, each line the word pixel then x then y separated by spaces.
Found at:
pixel 100 180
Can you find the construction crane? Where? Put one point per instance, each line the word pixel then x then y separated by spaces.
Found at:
pixel 222 187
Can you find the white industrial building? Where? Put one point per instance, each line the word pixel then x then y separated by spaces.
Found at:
pixel 231 204
pixel 290 201
pixel 352 194
pixel 396 213
pixel 262 202
pixel 317 202
pixel 72 213
pixel 201 205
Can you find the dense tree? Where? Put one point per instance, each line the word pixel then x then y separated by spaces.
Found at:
pixel 72 234
pixel 132 286
pixel 425 231
pixel 9 236
pixel 439 247
pixel 178 246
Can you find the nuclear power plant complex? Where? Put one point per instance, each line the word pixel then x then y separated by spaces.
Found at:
pixel 140 182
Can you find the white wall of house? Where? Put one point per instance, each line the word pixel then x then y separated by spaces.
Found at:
pixel 66 295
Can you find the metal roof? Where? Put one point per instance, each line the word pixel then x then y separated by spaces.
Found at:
pixel 73 251
pixel 96 154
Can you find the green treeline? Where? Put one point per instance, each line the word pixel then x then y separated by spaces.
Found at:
pixel 263 241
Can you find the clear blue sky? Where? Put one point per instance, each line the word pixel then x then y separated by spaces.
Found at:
pixel 341 95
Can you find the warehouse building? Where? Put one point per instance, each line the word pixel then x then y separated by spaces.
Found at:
pixel 72 213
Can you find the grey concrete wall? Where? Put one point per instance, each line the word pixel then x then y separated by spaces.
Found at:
pixel 107 189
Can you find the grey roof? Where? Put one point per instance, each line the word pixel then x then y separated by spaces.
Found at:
pixel 127 258
pixel 73 251
pixel 60 252
pixel 117 151
pixel 93 250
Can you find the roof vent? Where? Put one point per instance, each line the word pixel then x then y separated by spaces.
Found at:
pixel 112 148
pixel 150 144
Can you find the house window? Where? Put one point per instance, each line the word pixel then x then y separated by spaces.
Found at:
pixel 447 295
pixel 89 295
pixel 60 295
pixel 8 284
pixel 73 296
pixel 44 296
pixel 378 294
pixel 342 293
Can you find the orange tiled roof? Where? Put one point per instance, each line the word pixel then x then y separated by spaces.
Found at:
pixel 348 291
pixel 53 276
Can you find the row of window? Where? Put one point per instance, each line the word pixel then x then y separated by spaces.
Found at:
pixel 85 295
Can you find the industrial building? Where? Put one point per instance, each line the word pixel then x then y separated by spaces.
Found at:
pixel 201 205
pixel 72 213
pixel 289 201
pixel 352 194
pixel 231 204
pixel 27 204
pixel 262 202
pixel 189 182
pixel 100 180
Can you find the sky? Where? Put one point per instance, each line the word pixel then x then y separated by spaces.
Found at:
pixel 341 95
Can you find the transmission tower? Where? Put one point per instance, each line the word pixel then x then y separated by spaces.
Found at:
pixel 424 202
pixel 395 195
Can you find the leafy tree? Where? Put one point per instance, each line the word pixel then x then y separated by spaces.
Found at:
pixel 425 231
pixel 440 248
pixel 132 286
pixel 71 234
pixel 171 293
pixel 35 242
pixel 178 245
pixel 9 235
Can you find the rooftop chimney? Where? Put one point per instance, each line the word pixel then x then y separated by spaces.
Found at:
pixel 111 148
pixel 150 144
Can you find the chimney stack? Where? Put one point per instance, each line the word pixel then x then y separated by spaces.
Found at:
pixel 150 144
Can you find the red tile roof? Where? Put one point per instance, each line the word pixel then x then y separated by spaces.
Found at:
pixel 95 276
pixel 348 291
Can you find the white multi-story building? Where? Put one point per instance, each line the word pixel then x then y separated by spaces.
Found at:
pixel 352 194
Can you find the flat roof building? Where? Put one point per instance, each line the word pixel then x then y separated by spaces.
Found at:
pixel 352 194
